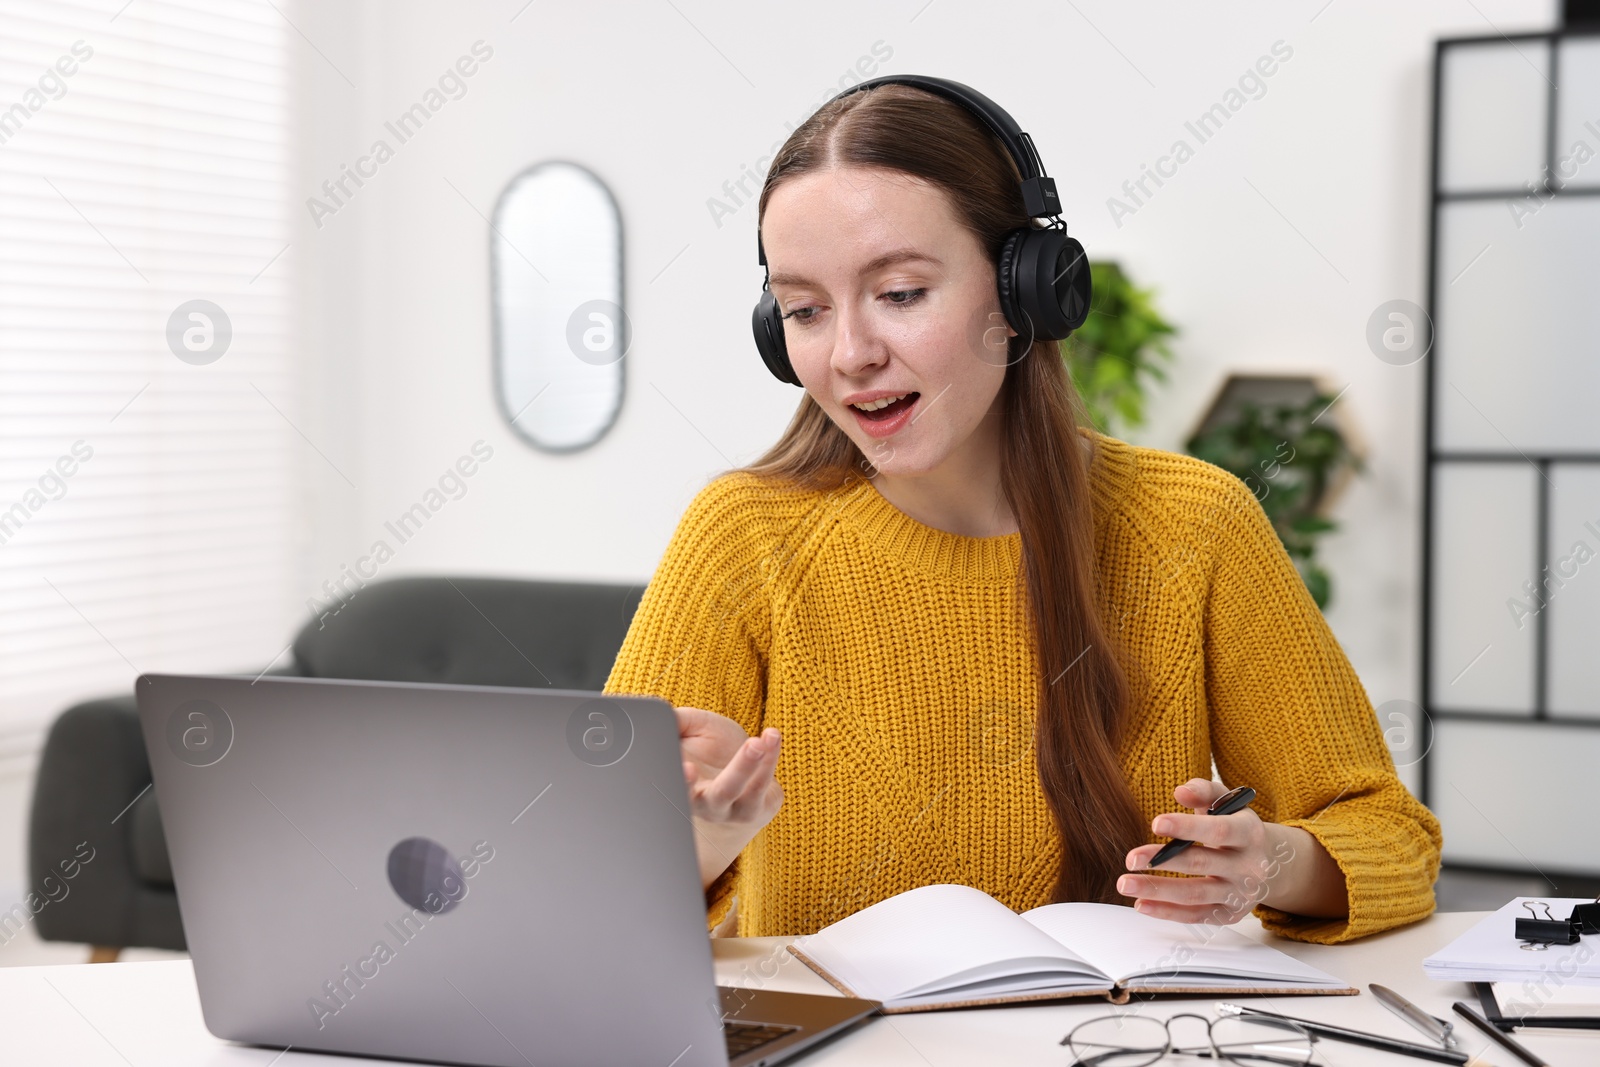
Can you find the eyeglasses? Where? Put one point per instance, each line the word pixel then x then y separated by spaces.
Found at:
pixel 1135 1040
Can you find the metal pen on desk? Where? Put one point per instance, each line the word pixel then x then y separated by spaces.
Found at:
pixel 1359 1037
pixel 1439 1029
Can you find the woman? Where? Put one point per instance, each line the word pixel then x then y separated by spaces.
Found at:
pixel 993 646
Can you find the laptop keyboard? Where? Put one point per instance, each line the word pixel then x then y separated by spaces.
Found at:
pixel 743 1037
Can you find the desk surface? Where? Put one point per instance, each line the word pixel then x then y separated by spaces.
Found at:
pixel 122 1014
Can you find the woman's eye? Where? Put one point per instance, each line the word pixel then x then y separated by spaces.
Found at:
pixel 805 316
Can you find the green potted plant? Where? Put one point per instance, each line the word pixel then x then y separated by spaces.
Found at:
pixel 1288 454
pixel 1118 349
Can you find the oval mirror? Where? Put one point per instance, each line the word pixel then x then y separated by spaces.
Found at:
pixel 560 331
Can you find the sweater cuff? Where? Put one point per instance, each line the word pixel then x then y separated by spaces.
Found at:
pixel 719 896
pixel 1384 889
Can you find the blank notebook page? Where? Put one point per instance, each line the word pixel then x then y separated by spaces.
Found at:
pixel 1125 944
pixel 926 934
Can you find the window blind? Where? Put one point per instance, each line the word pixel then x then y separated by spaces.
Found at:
pixel 150 490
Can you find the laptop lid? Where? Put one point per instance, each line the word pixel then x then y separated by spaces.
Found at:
pixel 450 873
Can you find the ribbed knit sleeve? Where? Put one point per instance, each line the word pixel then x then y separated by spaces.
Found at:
pixel 700 635
pixel 1289 716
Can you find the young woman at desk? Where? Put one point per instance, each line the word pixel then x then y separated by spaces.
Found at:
pixel 992 646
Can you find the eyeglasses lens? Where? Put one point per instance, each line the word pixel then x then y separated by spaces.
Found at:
pixel 1118 1041
pixel 1254 1041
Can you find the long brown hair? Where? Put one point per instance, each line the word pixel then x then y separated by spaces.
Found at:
pixel 1083 692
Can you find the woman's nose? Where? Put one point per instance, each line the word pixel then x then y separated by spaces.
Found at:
pixel 856 343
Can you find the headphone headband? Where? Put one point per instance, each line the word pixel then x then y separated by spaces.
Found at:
pixel 1039 198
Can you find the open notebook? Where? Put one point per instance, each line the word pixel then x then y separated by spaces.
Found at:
pixel 949 946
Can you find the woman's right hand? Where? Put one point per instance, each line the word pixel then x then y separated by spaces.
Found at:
pixel 733 791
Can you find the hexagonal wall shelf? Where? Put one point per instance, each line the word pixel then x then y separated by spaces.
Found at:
pixel 1269 390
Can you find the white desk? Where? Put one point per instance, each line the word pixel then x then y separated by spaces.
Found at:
pixel 140 1014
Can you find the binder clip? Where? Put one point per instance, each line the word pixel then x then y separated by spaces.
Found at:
pixel 1537 933
pixel 1587 917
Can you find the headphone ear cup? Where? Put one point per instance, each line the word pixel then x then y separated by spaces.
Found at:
pixel 767 324
pixel 1005 276
pixel 1075 291
pixel 1049 284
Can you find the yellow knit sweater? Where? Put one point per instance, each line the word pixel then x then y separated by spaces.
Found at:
pixel 895 660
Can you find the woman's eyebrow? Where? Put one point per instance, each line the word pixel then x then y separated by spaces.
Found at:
pixel 888 259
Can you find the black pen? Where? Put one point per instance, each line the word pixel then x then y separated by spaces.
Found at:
pixel 1228 803
pixel 1358 1037
pixel 1501 1039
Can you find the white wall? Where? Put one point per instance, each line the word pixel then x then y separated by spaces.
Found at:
pixel 1270 247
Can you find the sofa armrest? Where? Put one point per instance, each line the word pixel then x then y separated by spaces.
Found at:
pixel 92 769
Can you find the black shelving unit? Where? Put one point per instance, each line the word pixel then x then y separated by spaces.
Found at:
pixel 1536 727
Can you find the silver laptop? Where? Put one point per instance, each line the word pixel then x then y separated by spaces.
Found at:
pixel 458 874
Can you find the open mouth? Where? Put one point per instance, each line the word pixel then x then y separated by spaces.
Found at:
pixel 888 411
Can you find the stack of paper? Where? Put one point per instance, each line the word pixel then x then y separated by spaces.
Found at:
pixel 1490 951
pixel 1532 996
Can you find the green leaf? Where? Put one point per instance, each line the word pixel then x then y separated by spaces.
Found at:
pixel 1310 524
pixel 1287 460
pixel 1118 350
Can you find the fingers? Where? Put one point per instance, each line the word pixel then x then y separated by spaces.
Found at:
pixel 1226 875
pixel 1197 859
pixel 1198 793
pixel 1203 898
pixel 760 767
pixel 725 785
pixel 741 789
pixel 1218 831
pixel 1140 858
pixel 693 721
pixel 1217 914
pixel 1187 891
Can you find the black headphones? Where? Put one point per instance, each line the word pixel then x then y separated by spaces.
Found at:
pixel 1043 276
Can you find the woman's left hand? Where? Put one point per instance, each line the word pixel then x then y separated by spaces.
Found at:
pixel 1237 861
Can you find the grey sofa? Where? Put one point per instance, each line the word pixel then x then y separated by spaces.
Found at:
pixel 93 773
